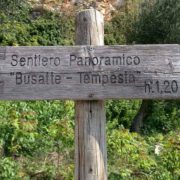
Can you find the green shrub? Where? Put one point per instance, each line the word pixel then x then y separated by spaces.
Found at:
pixel 25 30
pixel 26 127
pixel 158 22
pixel 164 116
pixel 168 159
pixel 118 30
pixel 122 111
pixel 132 156
pixel 128 156
pixel 8 169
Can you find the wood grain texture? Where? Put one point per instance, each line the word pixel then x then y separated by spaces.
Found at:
pixel 90 72
pixel 90 140
pixel 90 143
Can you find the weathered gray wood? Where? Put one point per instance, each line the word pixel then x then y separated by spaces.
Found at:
pixel 90 141
pixel 90 72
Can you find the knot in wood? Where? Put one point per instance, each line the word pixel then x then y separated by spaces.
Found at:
pixel 91 95
pixel 84 19
pixel 89 48
pixel 90 170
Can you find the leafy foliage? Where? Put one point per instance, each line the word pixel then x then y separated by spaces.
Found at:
pixel 122 111
pixel 120 28
pixel 38 129
pixel 25 29
pixel 158 22
pixel 8 169
pixel 133 157
pixel 164 117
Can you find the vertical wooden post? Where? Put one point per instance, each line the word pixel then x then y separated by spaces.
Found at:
pixel 90 141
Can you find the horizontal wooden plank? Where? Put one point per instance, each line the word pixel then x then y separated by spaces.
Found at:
pixel 90 72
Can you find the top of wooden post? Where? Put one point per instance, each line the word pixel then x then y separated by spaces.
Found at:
pixel 89 28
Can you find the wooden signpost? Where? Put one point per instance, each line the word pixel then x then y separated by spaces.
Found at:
pixel 90 73
pixel 90 139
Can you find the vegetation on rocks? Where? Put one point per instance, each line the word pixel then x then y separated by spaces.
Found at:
pixel 37 137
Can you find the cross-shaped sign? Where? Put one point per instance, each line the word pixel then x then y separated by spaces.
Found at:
pixel 90 73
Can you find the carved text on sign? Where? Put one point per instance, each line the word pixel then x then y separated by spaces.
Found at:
pixel 90 72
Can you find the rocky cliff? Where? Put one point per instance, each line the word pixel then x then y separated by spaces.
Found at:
pixel 107 7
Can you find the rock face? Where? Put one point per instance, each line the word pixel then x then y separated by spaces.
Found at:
pixel 71 6
pixel 76 1
pixel 119 3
